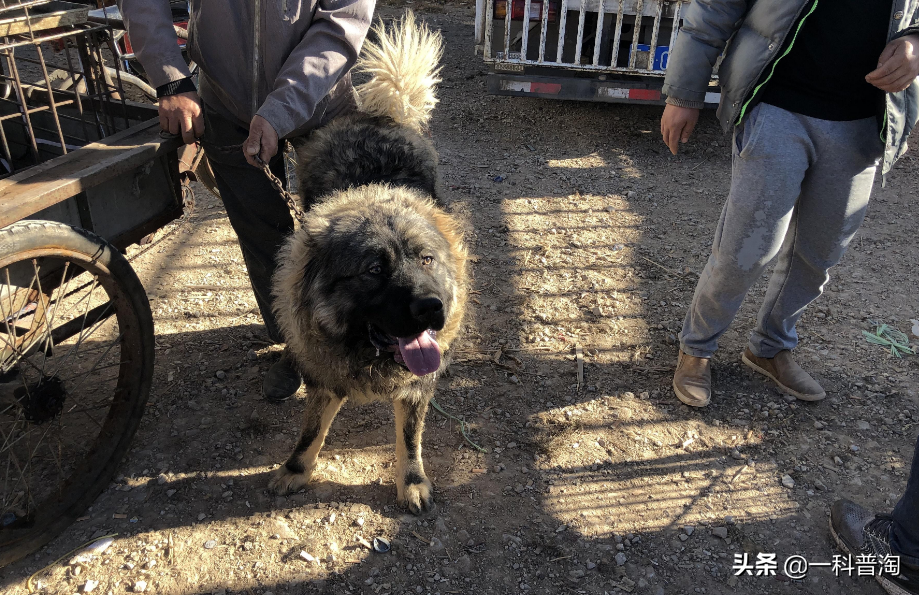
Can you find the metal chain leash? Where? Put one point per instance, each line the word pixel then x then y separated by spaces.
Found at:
pixel 279 186
pixel 275 181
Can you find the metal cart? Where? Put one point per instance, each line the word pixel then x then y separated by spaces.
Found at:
pixel 592 50
pixel 83 174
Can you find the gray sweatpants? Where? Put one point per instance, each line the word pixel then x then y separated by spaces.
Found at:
pixel 799 191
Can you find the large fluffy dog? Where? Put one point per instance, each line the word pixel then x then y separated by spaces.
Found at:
pixel 370 292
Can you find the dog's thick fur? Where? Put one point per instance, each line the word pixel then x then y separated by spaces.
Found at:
pixel 376 262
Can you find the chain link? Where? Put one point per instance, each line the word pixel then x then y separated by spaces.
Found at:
pixel 278 185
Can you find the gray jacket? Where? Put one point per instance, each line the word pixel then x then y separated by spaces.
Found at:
pixel 754 32
pixel 285 60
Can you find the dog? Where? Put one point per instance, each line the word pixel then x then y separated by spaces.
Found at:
pixel 370 292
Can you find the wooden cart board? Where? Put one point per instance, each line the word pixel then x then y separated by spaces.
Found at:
pixel 42 16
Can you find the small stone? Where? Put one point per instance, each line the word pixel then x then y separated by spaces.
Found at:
pixel 578 573
pixel 735 454
pixel 519 488
pixel 140 586
pixel 863 425
pixel 221 375
pixel 819 425
pixel 787 481
pixel 210 544
pixel 561 528
pixel 721 532
pixel 683 537
pixel 590 565
pixel 251 355
pixel 170 493
pixel 161 479
pixel 820 485
pixel 89 585
pixel 729 520
pixel 305 556
pixel 620 559
pixel 854 448
pixel 463 564
pixel 437 545
pixel 462 536
pixel 150 564
pixel 202 516
pixel 837 460
pixel 689 529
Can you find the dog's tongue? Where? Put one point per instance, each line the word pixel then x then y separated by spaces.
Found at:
pixel 421 353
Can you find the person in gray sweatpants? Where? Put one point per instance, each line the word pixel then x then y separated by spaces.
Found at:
pixel 817 94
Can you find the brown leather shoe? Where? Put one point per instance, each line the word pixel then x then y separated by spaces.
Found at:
pixel 790 377
pixel 692 381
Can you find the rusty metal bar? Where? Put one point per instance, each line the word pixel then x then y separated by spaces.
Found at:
pixel 543 31
pixel 655 30
pixel 51 103
pixel 525 30
pixel 598 36
pixel 14 72
pixel 636 33
pixel 562 21
pixel 489 26
pixel 580 39
pixel 676 24
pixel 617 37
pixel 507 30
pixel 75 87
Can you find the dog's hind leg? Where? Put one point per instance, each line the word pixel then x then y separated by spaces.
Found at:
pixel 321 408
pixel 413 488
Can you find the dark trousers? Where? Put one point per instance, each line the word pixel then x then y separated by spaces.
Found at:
pixel 257 211
pixel 904 536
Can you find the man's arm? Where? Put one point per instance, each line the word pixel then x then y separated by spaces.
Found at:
pixel 153 37
pixel 707 27
pixel 328 49
pixel 149 23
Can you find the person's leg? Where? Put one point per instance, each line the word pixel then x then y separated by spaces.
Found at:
pixel 257 211
pixel 772 154
pixel 904 535
pixel 832 205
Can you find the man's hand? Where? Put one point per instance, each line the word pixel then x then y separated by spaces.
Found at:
pixel 262 141
pixel 677 125
pixel 898 65
pixel 181 114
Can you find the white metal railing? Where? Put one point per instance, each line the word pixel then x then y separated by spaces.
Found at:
pixel 625 34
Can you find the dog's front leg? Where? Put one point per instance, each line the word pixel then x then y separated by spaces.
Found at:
pixel 413 488
pixel 321 408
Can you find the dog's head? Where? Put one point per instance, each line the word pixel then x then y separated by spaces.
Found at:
pixel 378 267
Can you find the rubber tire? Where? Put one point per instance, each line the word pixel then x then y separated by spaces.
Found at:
pixel 28 239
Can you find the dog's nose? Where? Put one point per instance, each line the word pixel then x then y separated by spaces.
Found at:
pixel 425 308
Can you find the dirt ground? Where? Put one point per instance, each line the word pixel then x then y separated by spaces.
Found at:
pixel 592 243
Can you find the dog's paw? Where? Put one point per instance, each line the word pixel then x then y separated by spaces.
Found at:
pixel 284 481
pixel 418 496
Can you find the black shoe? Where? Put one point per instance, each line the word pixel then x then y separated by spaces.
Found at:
pixel 858 532
pixel 282 380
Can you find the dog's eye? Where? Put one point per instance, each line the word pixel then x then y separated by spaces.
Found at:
pixel 427 260
pixel 375 269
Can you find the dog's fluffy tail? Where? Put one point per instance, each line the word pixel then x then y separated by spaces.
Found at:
pixel 404 65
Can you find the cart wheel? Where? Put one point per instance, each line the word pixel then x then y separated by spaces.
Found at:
pixel 76 364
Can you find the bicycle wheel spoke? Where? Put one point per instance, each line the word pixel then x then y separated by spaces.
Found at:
pixel 48 340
